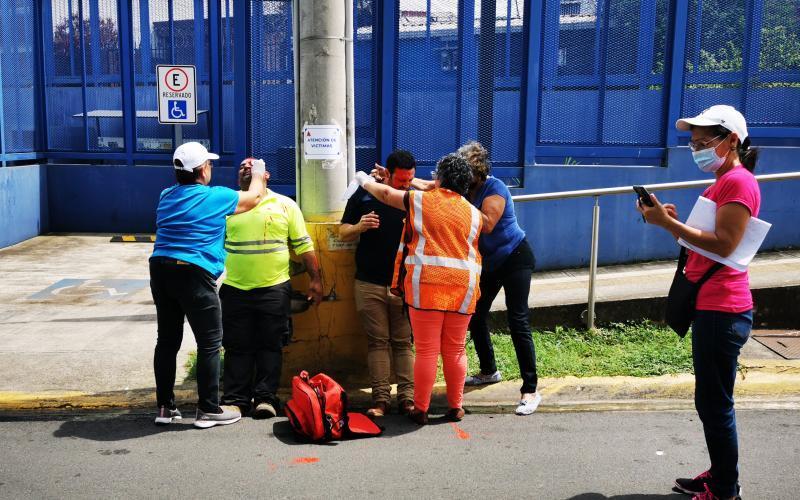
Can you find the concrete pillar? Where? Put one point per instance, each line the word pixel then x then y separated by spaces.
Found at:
pixel 323 83
pixel 327 338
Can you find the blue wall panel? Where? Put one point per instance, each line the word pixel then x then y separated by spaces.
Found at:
pixel 23 203
pixel 116 199
pixel 112 199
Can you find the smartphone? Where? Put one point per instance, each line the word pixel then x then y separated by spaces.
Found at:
pixel 644 196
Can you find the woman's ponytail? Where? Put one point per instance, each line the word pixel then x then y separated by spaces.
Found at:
pixel 747 155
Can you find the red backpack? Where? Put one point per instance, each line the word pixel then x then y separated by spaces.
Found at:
pixel 318 411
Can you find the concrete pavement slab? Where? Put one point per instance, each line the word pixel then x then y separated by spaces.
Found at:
pixel 77 329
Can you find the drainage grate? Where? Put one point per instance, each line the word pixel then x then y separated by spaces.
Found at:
pixel 785 344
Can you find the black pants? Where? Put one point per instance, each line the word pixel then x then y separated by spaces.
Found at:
pixel 514 275
pixel 256 324
pixel 181 291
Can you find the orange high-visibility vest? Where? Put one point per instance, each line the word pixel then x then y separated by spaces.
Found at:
pixel 442 266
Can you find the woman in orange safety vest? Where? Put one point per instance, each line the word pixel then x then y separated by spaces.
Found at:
pixel 437 271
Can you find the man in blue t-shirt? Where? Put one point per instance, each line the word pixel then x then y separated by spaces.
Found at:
pixel 187 260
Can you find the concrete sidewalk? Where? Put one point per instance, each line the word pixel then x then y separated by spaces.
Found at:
pixel 77 329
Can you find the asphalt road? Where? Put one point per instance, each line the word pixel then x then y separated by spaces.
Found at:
pixel 549 455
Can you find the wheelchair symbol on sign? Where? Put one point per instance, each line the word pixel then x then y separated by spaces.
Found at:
pixel 177 110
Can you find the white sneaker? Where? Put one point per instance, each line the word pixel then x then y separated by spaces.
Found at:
pixel 481 379
pixel 229 415
pixel 526 407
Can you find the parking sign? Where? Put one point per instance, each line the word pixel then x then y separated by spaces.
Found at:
pixel 177 95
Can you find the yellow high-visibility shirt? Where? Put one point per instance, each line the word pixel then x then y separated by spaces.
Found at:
pixel 258 242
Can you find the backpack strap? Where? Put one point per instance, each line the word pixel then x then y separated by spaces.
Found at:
pixel 711 270
pixel 684 257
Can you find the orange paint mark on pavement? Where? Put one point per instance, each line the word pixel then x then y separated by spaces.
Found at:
pixel 460 433
pixel 305 460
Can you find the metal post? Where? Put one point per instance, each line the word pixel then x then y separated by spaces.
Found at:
pixel 2 117
pixel 675 67
pixel 350 91
pixel 3 161
pixel 44 67
pixel 214 115
pixel 128 81
pixel 242 73
pixel 84 103
pixel 531 81
pixel 467 76
pixel 385 25
pixel 298 124
pixel 323 101
pixel 486 61
pixel 593 261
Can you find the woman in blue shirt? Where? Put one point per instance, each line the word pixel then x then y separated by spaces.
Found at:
pixel 508 263
pixel 187 259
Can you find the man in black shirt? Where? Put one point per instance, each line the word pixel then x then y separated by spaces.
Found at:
pixel 379 227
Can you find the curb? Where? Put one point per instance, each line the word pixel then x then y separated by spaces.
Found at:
pixel 760 384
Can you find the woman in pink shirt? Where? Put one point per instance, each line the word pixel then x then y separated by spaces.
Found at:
pixel 723 316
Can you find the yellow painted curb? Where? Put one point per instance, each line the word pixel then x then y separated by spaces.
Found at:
pixel 55 400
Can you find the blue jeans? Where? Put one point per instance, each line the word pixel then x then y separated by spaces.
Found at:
pixel 717 338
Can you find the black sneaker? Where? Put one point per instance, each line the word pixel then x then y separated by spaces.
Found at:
pixel 166 416
pixel 697 485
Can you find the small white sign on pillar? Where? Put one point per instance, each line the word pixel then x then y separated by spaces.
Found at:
pixel 322 142
pixel 177 95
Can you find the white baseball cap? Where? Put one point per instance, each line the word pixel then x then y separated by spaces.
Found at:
pixel 191 156
pixel 721 114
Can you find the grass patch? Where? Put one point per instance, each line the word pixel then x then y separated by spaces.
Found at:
pixel 634 349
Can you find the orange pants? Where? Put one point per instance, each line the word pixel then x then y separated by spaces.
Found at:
pixel 438 332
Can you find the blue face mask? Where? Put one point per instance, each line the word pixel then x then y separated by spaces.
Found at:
pixel 707 160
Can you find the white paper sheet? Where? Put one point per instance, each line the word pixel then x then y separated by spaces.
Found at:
pixel 704 217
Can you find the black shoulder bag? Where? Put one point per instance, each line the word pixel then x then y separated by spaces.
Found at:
pixel 682 296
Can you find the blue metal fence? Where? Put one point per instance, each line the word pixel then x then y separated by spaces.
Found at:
pixel 746 53
pixel 18 111
pixel 548 82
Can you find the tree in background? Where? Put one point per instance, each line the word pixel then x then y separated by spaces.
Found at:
pixel 66 47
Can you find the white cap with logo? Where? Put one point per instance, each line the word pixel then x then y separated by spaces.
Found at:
pixel 721 114
pixel 191 156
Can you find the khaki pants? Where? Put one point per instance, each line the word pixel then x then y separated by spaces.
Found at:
pixel 389 341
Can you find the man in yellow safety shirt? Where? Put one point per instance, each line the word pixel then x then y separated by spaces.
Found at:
pixel 256 294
